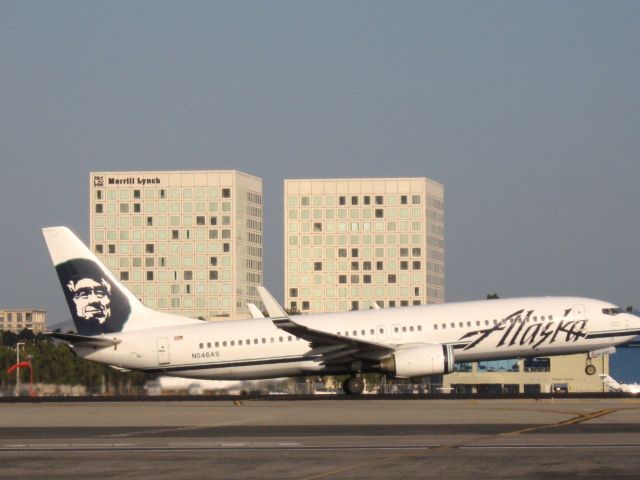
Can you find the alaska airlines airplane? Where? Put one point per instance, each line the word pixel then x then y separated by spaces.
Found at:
pixel 615 386
pixel 115 328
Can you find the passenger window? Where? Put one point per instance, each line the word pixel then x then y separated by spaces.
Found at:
pixel 461 324
pixel 208 344
pixel 411 329
pixel 232 343
pixel 217 344
pixel 239 342
pixel 201 345
pixel 435 326
pixel 444 325
pixel 264 340
pixel 419 328
pixel 551 318
pixel 453 325
pixel 224 344
pixel 404 329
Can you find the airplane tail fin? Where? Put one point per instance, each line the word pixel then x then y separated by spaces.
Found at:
pixel 99 303
pixel 610 383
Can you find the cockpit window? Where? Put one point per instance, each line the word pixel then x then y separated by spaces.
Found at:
pixel 612 311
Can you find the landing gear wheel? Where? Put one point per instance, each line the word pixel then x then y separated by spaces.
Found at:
pixel 590 369
pixel 353 386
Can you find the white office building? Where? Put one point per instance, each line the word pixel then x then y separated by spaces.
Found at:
pixel 186 242
pixel 352 242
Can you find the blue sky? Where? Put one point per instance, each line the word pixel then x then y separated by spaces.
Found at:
pixel 527 112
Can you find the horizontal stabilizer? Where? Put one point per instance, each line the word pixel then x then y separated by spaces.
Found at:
pixel 83 340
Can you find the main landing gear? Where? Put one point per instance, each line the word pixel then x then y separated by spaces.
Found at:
pixel 353 385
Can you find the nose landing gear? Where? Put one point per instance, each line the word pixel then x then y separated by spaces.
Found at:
pixel 590 369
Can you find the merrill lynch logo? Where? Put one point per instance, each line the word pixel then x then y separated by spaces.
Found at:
pixel 98 181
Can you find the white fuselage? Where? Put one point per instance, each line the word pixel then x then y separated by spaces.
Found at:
pixel 480 330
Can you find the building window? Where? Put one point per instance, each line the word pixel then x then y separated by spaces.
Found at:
pixel 213 261
pixel 136 208
pixel 354 200
pixel 98 208
pixel 379 213
pixel 150 276
pixel 317 227
pixel 366 200
pixel 404 200
pixel 293 292
pixel 226 193
pixel 342 279
pixel 124 276
pixel 380 265
pixel 317 266
pixel 99 248
pixel 188 275
pixel 149 248
pixel 200 220
pixel 416 265
pixel 355 305
pixel 111 248
pixel 305 305
pixel 213 275
pixel 354 252
pixel 226 247
pixel 391 278
pixel 342 200
pixel 136 194
pixel 342 252
pixel 149 221
pixel 379 200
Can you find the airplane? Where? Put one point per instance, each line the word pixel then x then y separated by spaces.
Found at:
pixel 614 386
pixel 115 328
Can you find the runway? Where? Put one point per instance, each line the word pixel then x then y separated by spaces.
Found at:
pixel 322 439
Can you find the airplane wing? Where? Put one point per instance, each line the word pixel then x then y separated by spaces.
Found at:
pixel 327 347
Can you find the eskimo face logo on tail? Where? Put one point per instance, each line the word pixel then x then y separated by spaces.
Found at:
pixel 96 306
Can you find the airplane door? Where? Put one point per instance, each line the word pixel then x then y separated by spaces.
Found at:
pixel 578 312
pixel 162 343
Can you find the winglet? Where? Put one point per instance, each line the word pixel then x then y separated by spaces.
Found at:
pixel 273 307
pixel 254 311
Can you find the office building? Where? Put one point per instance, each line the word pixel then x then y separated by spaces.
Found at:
pixel 186 242
pixel 17 319
pixel 350 243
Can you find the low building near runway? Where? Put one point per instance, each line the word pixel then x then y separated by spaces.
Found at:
pixel 17 319
pixel 529 375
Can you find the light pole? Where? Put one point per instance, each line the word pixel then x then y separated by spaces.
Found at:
pixel 18 369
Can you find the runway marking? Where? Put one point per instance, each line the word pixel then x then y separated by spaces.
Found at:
pixel 572 421
pixel 460 445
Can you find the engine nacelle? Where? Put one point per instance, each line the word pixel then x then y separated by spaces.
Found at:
pixel 419 361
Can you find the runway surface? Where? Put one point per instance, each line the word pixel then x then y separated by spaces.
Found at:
pixel 322 439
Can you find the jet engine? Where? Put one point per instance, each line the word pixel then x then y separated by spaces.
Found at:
pixel 419 361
